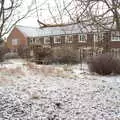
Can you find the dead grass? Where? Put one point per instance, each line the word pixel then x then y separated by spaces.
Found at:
pixel 4 81
pixel 47 70
pixel 12 71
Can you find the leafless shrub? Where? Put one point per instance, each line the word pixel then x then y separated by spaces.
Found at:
pixel 1 55
pixel 65 55
pixel 104 64
pixel 42 54
pixel 24 52
pixel 117 66
pixel 3 51
pixel 11 55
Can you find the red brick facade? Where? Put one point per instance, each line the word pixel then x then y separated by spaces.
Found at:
pixel 16 34
pixel 105 42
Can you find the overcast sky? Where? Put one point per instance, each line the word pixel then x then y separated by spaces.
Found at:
pixel 32 20
pixel 44 14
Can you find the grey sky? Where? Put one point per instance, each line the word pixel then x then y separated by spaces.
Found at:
pixel 44 14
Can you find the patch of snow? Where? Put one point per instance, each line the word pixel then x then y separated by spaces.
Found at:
pixel 74 94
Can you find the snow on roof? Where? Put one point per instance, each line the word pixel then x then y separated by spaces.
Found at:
pixel 28 31
pixel 49 31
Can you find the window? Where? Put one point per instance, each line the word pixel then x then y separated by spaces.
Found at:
pixel 46 40
pixel 30 41
pixel 82 37
pixel 115 52
pixel 69 39
pixel 33 40
pixel 57 39
pixel 115 36
pixel 98 37
pixel 15 41
pixel 37 40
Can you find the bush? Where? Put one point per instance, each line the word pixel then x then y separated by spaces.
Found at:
pixel 11 55
pixel 42 54
pixel 3 51
pixel 65 55
pixel 116 66
pixel 55 55
pixel 1 54
pixel 104 64
pixel 23 52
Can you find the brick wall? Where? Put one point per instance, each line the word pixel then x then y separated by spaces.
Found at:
pixel 16 34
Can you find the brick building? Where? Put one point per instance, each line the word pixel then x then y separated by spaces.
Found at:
pixel 74 35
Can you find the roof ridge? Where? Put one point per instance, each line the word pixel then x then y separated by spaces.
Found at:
pixel 58 25
pixel 26 26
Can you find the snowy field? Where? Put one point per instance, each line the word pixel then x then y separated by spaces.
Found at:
pixel 56 92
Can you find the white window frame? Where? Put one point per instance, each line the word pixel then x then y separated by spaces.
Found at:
pixel 46 40
pixel 81 39
pixel 115 36
pixel 69 39
pixel 33 40
pixel 15 41
pixel 56 38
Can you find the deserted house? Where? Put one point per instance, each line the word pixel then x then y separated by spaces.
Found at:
pixel 74 35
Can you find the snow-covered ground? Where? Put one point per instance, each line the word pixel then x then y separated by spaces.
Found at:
pixel 56 92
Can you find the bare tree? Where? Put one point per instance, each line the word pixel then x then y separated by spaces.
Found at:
pixel 103 14
pixel 100 13
pixel 58 13
pixel 10 14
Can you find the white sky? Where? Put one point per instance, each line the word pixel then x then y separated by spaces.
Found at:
pixel 32 20
pixel 29 22
pixel 44 14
